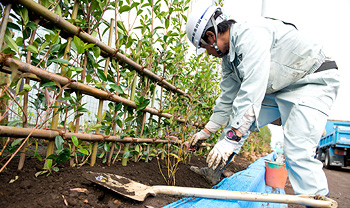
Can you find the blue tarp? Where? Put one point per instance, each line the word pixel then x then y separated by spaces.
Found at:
pixel 250 180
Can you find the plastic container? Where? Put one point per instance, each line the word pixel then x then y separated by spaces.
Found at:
pixel 276 174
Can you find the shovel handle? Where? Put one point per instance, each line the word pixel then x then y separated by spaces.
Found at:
pixel 307 200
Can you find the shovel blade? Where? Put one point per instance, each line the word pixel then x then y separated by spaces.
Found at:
pixel 121 185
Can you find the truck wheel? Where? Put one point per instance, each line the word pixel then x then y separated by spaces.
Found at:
pixel 319 154
pixel 327 161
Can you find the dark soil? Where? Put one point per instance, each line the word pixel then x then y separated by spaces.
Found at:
pixel 67 186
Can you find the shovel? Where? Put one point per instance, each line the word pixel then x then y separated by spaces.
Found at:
pixel 139 192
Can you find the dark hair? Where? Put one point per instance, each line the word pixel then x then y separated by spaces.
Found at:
pixel 222 27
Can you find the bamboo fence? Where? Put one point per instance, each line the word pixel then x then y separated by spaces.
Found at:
pixel 36 74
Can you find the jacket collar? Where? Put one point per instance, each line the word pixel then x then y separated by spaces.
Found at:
pixel 232 50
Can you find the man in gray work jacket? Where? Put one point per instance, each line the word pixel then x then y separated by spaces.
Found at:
pixel 269 71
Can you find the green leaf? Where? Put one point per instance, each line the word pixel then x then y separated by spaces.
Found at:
pixel 59 141
pixel 124 8
pixel 14 123
pixel 26 88
pixel 63 156
pixel 139 12
pixel 102 154
pixel 152 87
pixel 101 74
pixel 19 41
pixel 11 43
pixel 84 151
pixel 82 110
pixel 32 25
pixel 24 15
pixel 173 109
pixel 32 49
pixel 97 126
pixel 55 48
pixel 118 107
pixel 166 23
pixel 19 85
pixel 98 84
pixel 129 43
pixel 128 119
pixel 43 46
pixel 143 105
pixel 79 44
pixel 13 26
pixel 87 46
pixel 38 156
pixel 137 100
pixel 106 147
pixel 126 154
pixel 75 140
pixel 48 84
pixel 60 61
pixel 56 169
pixel 97 51
pixel 137 148
pixel 117 88
pixel 120 25
pixel 51 157
pixel 16 142
pixel 119 123
pixel 77 69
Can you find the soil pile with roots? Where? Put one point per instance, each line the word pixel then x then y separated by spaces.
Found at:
pixel 68 187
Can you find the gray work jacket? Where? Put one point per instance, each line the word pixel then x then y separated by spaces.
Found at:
pixel 265 56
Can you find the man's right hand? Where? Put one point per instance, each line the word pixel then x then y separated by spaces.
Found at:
pixel 198 139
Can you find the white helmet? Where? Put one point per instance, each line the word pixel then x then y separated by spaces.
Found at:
pixel 199 21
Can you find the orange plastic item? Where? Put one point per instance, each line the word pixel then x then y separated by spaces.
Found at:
pixel 276 174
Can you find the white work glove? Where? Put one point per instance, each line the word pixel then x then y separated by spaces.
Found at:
pixel 198 139
pixel 220 153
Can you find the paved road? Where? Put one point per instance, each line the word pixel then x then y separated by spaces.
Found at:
pixel 339 187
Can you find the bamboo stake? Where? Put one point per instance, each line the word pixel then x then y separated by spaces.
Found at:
pixel 86 89
pixel 4 24
pixel 55 118
pixel 3 106
pixel 153 96
pixel 95 144
pixel 114 123
pixel 113 144
pixel 132 98
pixel 147 81
pixel 118 83
pixel 150 119
pixel 100 104
pixel 66 57
pixel 73 30
pixel 25 102
pixel 159 118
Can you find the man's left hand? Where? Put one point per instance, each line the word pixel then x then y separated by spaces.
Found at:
pixel 220 153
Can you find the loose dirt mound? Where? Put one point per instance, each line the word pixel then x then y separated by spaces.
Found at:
pixel 69 187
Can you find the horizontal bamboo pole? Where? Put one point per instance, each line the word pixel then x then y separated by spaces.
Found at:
pixel 19 132
pixel 74 30
pixel 7 70
pixel 86 89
